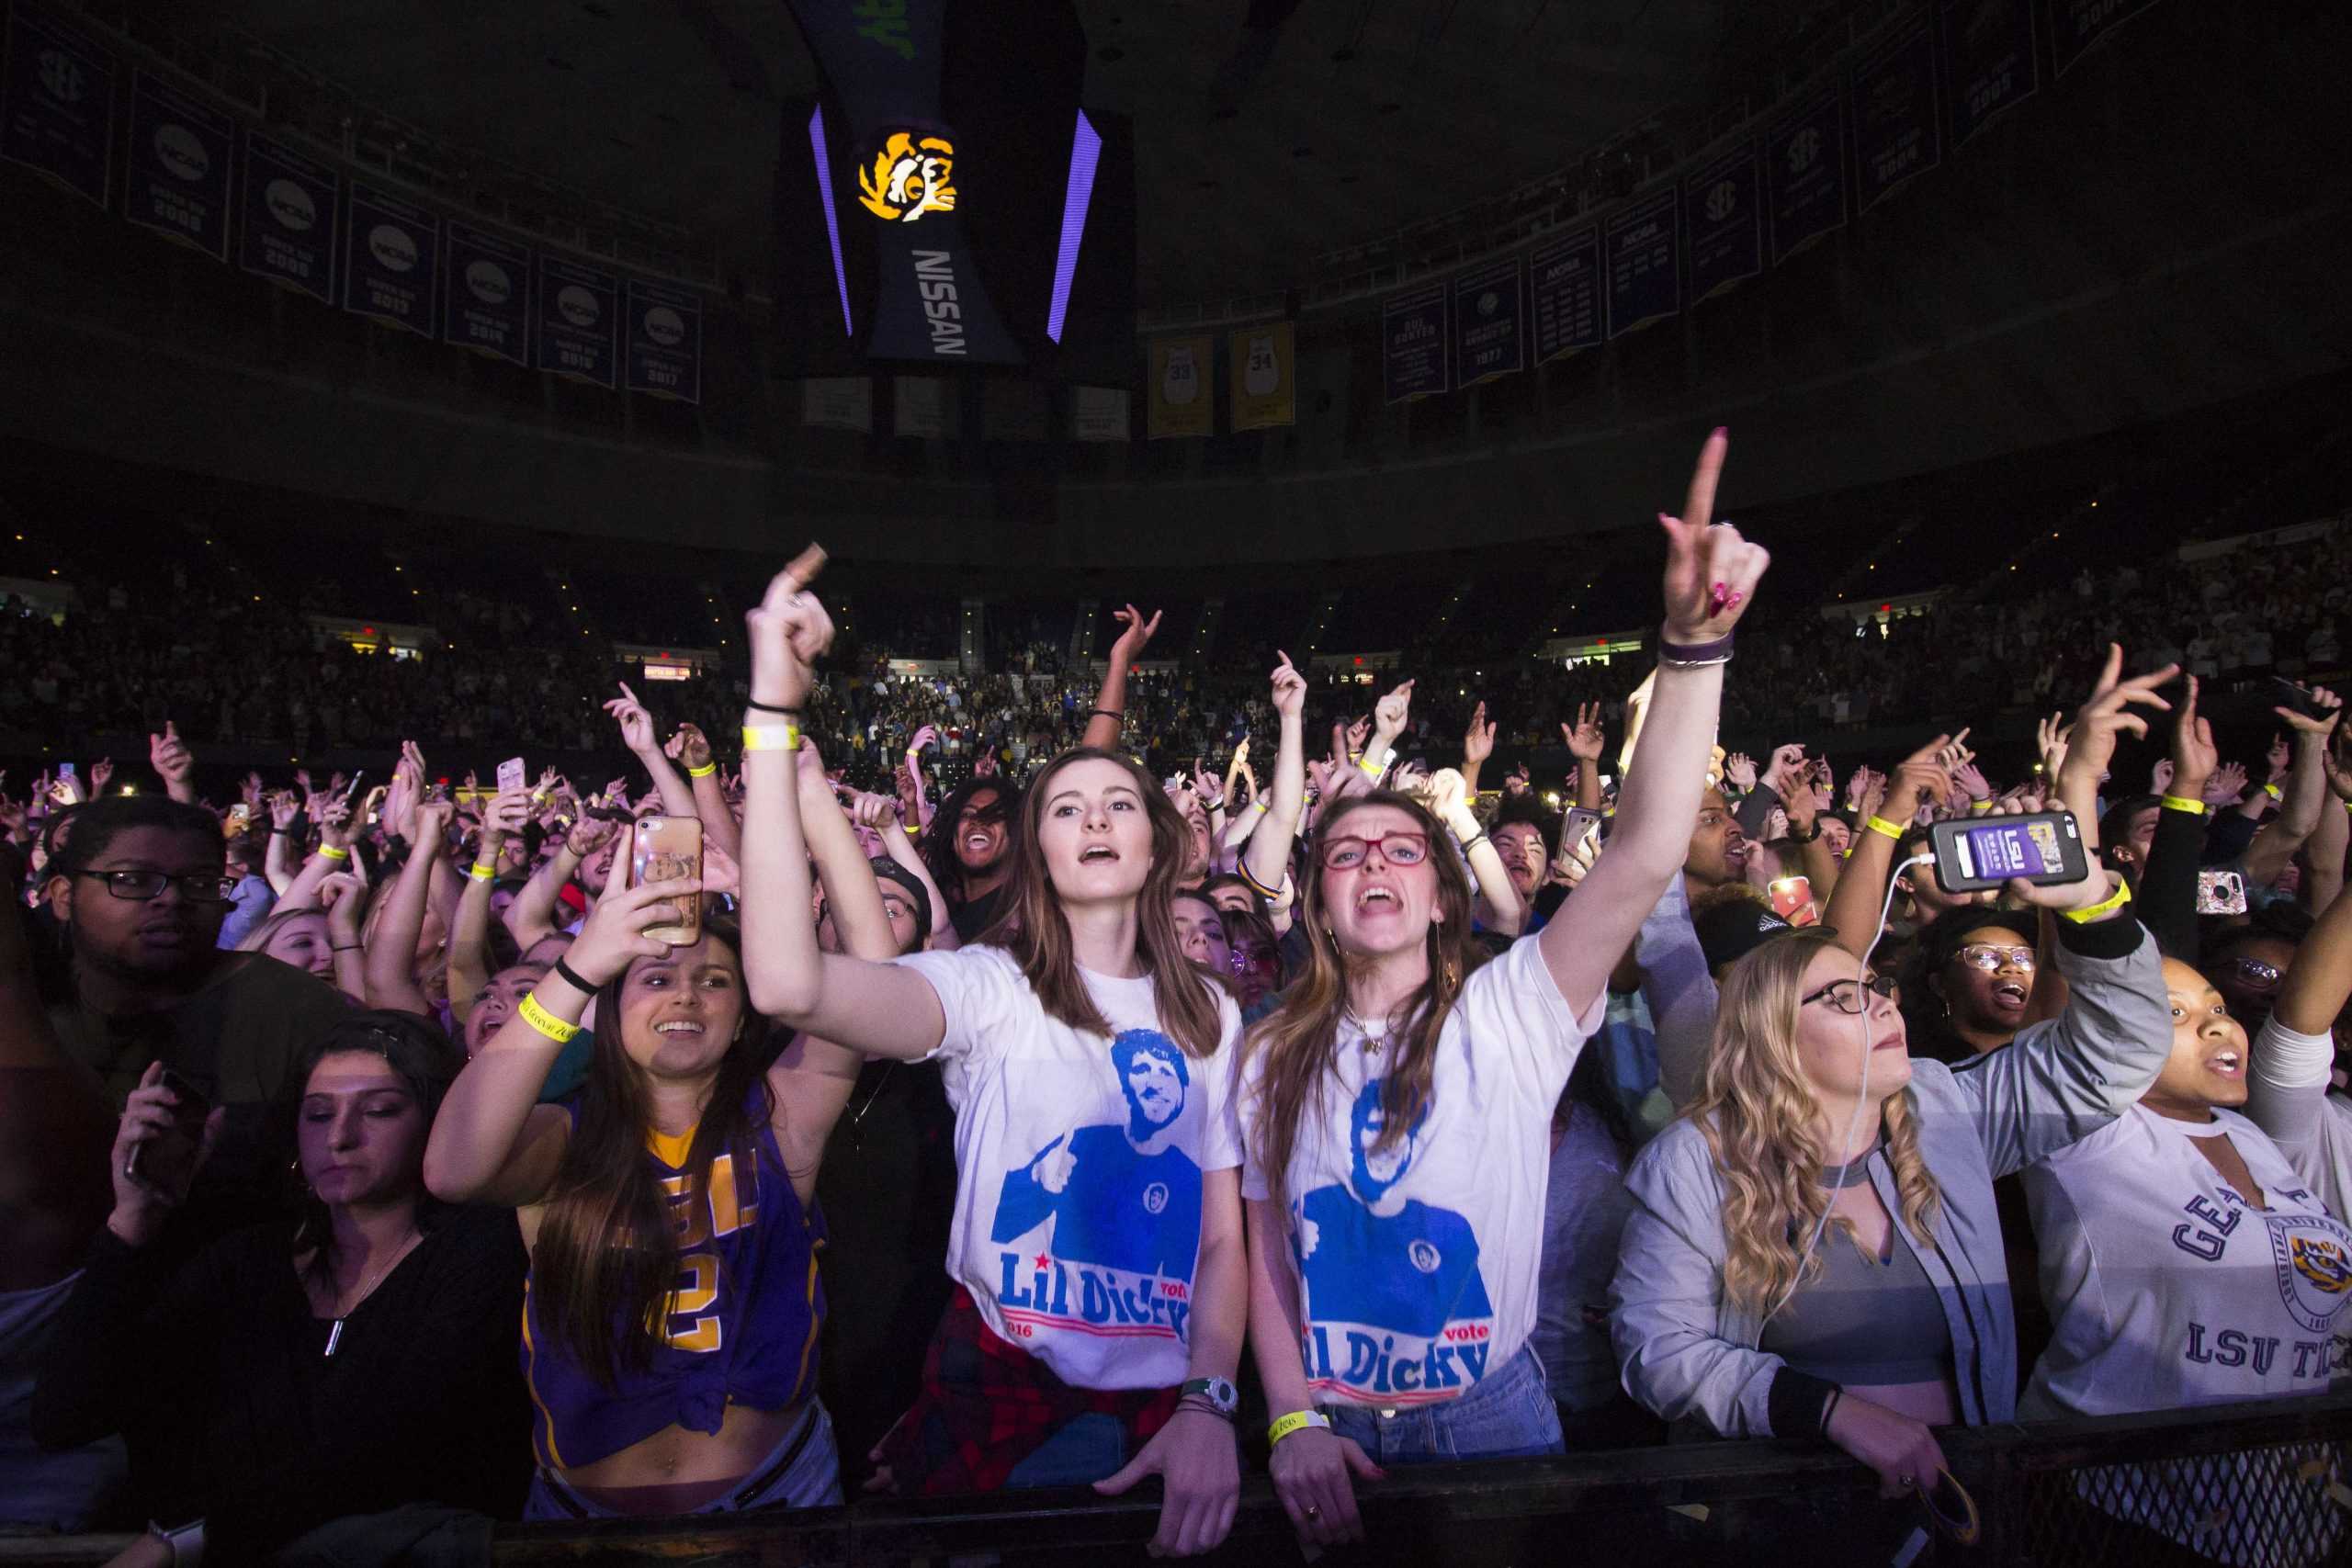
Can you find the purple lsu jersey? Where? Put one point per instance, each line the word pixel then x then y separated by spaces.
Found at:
pixel 741 1326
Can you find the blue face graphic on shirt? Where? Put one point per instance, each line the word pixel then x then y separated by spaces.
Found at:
pixel 1154 1078
pixel 1375 1171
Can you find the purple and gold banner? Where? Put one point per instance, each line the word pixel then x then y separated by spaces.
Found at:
pixel 180 156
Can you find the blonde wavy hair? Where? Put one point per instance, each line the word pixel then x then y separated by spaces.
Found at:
pixel 1758 1114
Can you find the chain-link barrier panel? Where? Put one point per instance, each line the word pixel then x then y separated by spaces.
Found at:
pixel 2277 1508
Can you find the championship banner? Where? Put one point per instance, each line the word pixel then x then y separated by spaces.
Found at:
pixel 1181 401
pixel 883 59
pixel 1098 413
pixel 923 406
pixel 1564 291
pixel 1995 67
pixel 57 104
pixel 1489 323
pixel 2077 26
pixel 1897 130
pixel 286 229
pixel 1414 358
pixel 665 342
pixel 387 260
pixel 1723 212
pixel 487 305
pixel 838 402
pixel 1805 174
pixel 1262 365
pixel 180 154
pixel 579 317
pixel 1640 247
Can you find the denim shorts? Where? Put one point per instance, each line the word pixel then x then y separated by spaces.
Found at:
pixel 801 1471
pixel 1508 1415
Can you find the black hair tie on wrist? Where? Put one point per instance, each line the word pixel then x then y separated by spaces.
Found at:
pixel 571 977
pixel 771 707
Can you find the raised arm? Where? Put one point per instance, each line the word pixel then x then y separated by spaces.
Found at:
pixel 1854 905
pixel 880 814
pixel 2166 894
pixel 1109 715
pixel 2306 791
pixel 174 764
pixel 1711 576
pixel 531 918
pixel 278 859
pixel 1266 861
pixel 690 748
pixel 1477 745
pixel 878 1009
pixel 1451 804
pixel 391 955
pixel 638 734
pixel 1587 740
pixel 2287 1088
pixel 470 931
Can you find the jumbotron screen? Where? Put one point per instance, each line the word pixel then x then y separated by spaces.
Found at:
pixel 945 200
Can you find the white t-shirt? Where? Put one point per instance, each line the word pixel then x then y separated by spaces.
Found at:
pixel 1078 1163
pixel 2288 1097
pixel 1418 1265
pixel 2167 1289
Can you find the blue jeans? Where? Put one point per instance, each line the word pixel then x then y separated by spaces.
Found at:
pixel 1508 1415
pixel 801 1471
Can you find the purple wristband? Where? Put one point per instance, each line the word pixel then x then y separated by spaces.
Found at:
pixel 1715 653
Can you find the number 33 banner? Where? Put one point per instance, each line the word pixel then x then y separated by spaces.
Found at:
pixel 1183 401
pixel 1264 363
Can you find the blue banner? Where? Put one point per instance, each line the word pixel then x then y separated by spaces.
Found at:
pixel 57 104
pixel 180 154
pixel 486 304
pixel 1723 212
pixel 1805 174
pixel 2077 26
pixel 1564 295
pixel 664 341
pixel 288 231
pixel 1995 67
pixel 1642 248
pixel 387 260
pixel 1897 132
pixel 579 323
pixel 1414 358
pixel 1490 324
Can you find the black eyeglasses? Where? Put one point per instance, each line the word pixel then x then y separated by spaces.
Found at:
pixel 197 886
pixel 1852 998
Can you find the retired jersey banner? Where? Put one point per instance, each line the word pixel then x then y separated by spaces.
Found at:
pixel 57 104
pixel 387 260
pixel 1805 174
pixel 924 406
pixel 1098 413
pixel 1416 360
pixel 2077 26
pixel 180 156
pixel 1723 212
pixel 664 341
pixel 1641 248
pixel 1182 401
pixel 1489 323
pixel 838 402
pixel 286 232
pixel 1264 363
pixel 578 320
pixel 487 305
pixel 1995 67
pixel 1898 133
pixel 1564 295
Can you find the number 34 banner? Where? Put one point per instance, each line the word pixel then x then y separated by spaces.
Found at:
pixel 1182 395
pixel 1263 363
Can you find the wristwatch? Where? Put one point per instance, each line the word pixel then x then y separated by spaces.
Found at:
pixel 1223 1397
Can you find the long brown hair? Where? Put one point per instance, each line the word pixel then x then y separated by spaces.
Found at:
pixel 1757 1112
pixel 1300 1039
pixel 1032 930
pixel 606 1262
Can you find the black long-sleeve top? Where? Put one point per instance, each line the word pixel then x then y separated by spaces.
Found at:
pixel 218 1373
pixel 2166 900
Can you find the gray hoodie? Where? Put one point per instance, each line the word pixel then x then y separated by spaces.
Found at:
pixel 1684 1348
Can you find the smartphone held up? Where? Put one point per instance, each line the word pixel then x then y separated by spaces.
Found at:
pixel 669 848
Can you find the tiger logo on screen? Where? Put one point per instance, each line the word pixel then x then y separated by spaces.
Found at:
pixel 910 177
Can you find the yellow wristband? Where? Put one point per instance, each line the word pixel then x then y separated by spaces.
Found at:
pixel 1976 805
pixel 2273 792
pixel 772 738
pixel 2108 906
pixel 703 772
pixel 482 873
pixel 1881 825
pixel 1297 1421
pixel 332 853
pixel 545 1023
pixel 912 831
pixel 1375 770
pixel 2182 802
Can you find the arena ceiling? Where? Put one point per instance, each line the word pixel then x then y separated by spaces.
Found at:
pixel 1268 131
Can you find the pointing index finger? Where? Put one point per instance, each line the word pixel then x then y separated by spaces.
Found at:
pixel 804 567
pixel 1699 503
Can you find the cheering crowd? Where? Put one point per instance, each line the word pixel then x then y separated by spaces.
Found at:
pixel 378 1162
